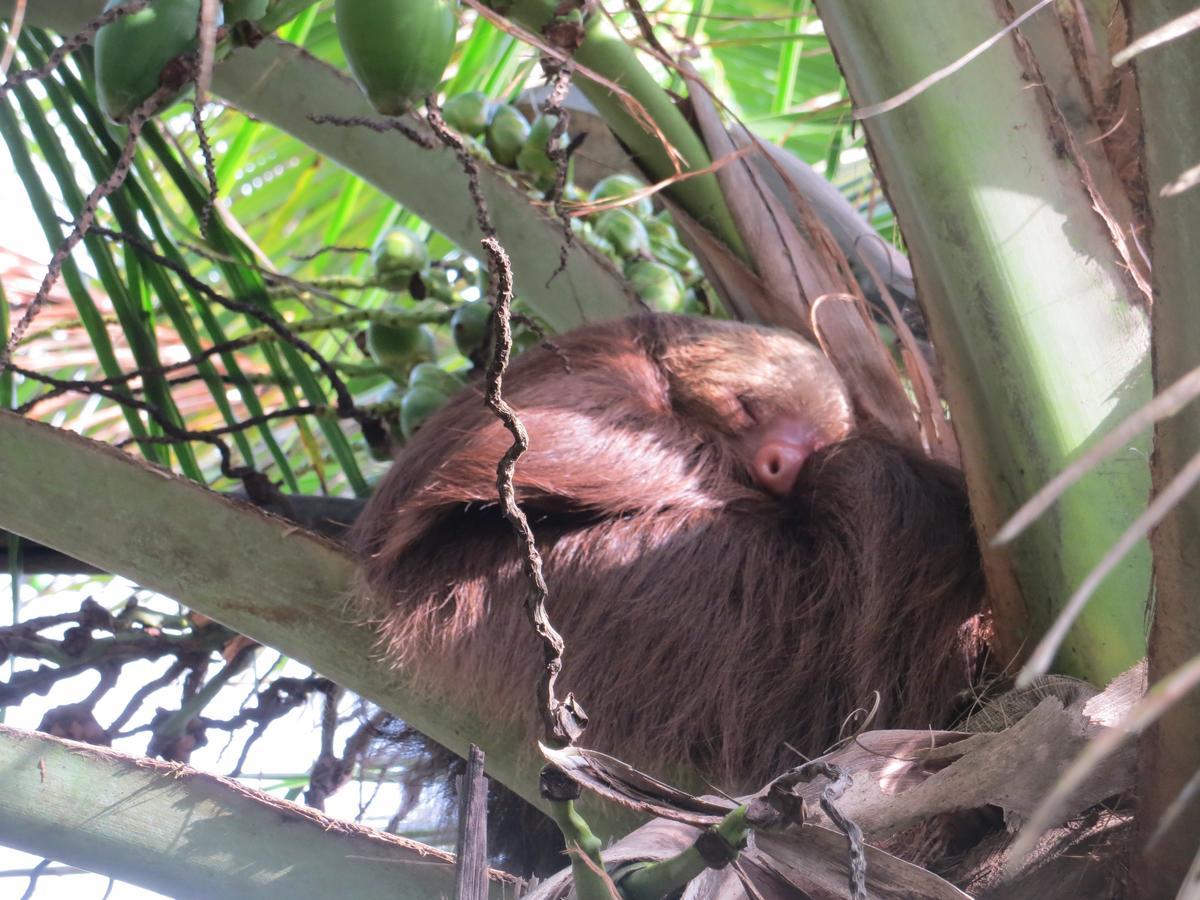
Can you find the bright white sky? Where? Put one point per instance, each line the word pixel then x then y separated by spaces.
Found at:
pixel 288 747
pixel 19 229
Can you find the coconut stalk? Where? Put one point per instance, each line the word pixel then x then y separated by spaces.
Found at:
pixel 1168 77
pixel 255 573
pixel 189 834
pixel 1039 324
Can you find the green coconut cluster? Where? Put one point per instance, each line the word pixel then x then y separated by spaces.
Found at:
pixel 639 241
pixel 408 354
pixel 398 51
pixel 644 244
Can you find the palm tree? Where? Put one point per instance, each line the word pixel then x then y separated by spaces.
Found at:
pixel 1033 181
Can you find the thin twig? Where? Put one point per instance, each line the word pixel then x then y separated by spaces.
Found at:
pixel 286 412
pixel 298 286
pixel 556 717
pixel 332 248
pixel 210 168
pixel 382 126
pixel 15 26
pixel 81 385
pixel 560 86
pixel 345 400
pixel 174 433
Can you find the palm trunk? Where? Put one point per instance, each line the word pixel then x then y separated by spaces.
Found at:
pixel 1169 86
pixel 1041 329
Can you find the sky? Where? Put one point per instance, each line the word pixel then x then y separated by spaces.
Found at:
pixel 19 229
pixel 288 747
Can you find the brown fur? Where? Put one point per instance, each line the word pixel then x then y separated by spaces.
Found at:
pixel 706 622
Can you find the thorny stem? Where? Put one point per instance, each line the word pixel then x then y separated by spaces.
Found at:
pixel 382 126
pixel 275 329
pixel 210 168
pixel 561 156
pixel 535 606
pixel 209 434
pixel 276 281
pixel 556 717
pixel 84 386
pixel 174 434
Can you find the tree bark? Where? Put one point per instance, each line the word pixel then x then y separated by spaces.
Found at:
pixel 1168 76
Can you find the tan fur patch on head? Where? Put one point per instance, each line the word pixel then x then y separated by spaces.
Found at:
pixel 735 376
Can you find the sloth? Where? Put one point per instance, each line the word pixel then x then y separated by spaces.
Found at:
pixel 735 562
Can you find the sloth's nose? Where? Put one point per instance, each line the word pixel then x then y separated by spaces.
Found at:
pixel 782 450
